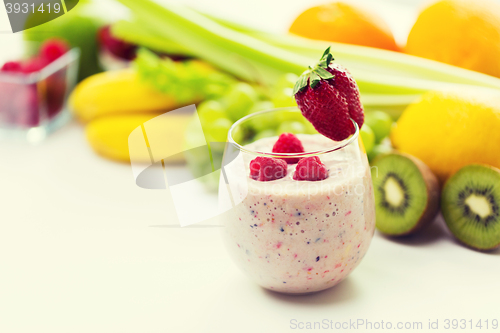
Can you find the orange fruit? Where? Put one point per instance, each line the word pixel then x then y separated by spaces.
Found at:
pixel 344 23
pixel 463 33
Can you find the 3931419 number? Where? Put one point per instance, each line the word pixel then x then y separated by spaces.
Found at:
pixel 470 324
pixel 26 8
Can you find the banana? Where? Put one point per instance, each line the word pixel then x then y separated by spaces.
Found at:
pixel 117 92
pixel 108 136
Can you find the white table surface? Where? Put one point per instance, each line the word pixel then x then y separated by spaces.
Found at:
pixel 82 249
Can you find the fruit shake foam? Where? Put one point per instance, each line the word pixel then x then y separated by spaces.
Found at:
pixel 302 236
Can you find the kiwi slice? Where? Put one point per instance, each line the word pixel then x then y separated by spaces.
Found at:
pixel 471 206
pixel 406 194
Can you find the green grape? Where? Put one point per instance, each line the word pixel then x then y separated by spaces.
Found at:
pixel 262 106
pixel 378 150
pixel 380 122
pixel 210 111
pixel 368 138
pixel 282 116
pixel 283 97
pixel 264 121
pixel 239 134
pixel 265 134
pixel 287 81
pixel 283 91
pixel 217 130
pixel 240 100
pixel 309 127
pixel 295 127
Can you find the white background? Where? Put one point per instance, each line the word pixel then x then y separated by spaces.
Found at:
pixel 82 249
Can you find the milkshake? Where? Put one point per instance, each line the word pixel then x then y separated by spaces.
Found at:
pixel 296 236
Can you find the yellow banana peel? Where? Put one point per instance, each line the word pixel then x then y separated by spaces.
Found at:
pixel 108 136
pixel 118 92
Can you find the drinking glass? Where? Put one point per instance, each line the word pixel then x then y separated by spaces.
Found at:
pixel 295 236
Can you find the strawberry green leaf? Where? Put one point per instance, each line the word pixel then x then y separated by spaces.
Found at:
pixel 326 53
pixel 323 73
pixel 314 79
pixel 301 82
pixel 329 59
pixel 315 74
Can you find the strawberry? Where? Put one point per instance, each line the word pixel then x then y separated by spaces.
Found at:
pixel 288 143
pixel 328 97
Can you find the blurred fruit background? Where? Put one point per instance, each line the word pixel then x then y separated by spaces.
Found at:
pixel 429 87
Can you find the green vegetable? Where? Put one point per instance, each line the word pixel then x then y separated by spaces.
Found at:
pixel 241 55
pixel 136 33
pixel 187 80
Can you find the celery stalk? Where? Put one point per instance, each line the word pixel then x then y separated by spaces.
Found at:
pixel 382 61
pixel 244 56
pixel 371 59
pixel 137 33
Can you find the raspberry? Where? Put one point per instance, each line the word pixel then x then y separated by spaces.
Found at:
pixel 328 97
pixel 288 143
pixel 34 65
pixel 52 49
pixel 310 168
pixel 266 169
pixel 11 66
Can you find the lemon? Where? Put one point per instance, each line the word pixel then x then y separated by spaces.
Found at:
pixel 448 130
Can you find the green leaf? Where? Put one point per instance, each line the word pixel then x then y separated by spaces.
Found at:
pixel 329 59
pixel 326 53
pixel 314 79
pixel 296 87
pixel 323 73
pixel 301 82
